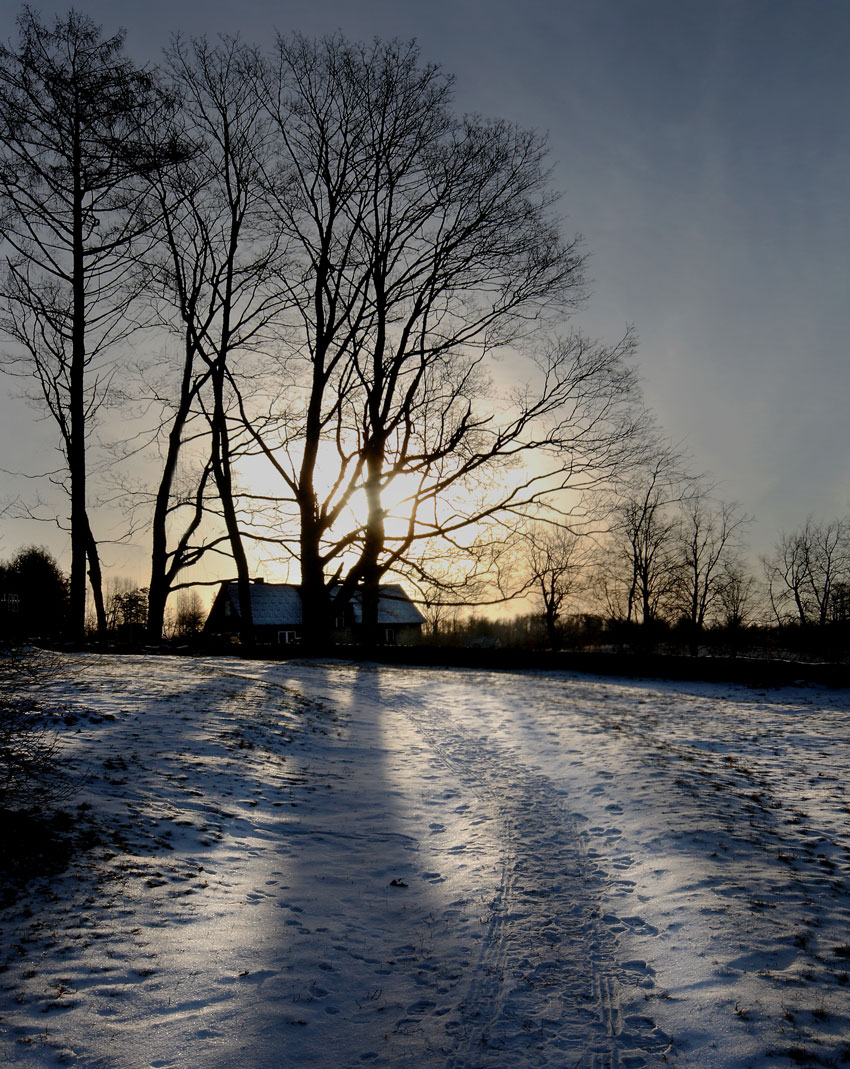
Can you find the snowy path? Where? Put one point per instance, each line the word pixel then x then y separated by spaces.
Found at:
pixel 325 865
pixel 547 986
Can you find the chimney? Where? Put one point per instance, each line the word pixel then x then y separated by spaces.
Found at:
pixel 259 580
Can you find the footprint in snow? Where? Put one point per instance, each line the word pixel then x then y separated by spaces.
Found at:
pixel 422 1006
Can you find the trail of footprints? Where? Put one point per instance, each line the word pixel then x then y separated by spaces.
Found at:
pixel 548 987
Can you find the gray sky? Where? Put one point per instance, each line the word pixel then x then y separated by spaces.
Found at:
pixel 702 149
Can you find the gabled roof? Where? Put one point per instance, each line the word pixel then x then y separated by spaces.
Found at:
pixel 279 605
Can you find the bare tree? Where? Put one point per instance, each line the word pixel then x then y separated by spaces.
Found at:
pixel 556 558
pixel 805 570
pixel 189 615
pixel 217 287
pixel 424 246
pixel 639 565
pixel 785 573
pixel 735 595
pixel 708 537
pixel 441 616
pixel 73 111
pixel 840 602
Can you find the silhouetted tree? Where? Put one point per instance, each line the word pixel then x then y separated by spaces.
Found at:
pixel 555 557
pixel 840 603
pixel 805 569
pixel 735 601
pixel 217 283
pixel 707 538
pixel 73 111
pixel 422 244
pixel 735 594
pixel 638 568
pixel 35 593
pixel 189 614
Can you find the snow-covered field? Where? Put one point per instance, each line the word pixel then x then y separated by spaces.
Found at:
pixel 319 864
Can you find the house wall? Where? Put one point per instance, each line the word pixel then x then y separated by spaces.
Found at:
pixel 408 635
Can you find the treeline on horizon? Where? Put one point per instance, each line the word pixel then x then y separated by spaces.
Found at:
pixel 286 305
pixel 798 608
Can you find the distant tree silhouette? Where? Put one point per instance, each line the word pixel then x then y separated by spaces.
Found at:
pixel 555 557
pixel 637 566
pixel 707 537
pixel 735 595
pixel 126 604
pixel 189 614
pixel 35 595
pixel 806 569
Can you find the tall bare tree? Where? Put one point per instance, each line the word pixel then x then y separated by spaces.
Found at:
pixel 736 595
pixel 218 285
pixel 649 529
pixel 425 245
pixel 74 112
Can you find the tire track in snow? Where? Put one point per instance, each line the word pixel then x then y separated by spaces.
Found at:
pixel 547 990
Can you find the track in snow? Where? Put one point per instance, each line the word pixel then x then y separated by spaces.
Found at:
pixel 547 989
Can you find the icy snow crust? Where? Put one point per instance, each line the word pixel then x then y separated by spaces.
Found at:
pixel 326 865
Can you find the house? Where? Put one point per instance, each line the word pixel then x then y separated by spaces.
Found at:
pixel 276 609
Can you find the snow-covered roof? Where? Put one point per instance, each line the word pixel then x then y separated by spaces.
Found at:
pixel 279 605
pixel 394 607
pixel 272 604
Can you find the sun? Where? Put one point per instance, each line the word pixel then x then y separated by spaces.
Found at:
pixel 336 483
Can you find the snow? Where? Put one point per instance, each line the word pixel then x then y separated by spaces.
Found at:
pixel 320 864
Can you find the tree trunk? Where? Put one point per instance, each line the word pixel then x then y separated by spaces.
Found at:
pixel 159 586
pixel 77 407
pixel 79 517
pixel 240 559
pixel 371 592
pixel 552 629
pixel 157 598
pixel 224 485
pixel 96 580
pixel 315 599
pixel 370 571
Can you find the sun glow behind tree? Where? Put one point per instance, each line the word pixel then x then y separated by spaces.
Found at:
pixel 454 516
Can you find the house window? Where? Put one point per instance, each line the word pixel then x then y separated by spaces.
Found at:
pixel 389 636
pixel 287 638
pixel 339 623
